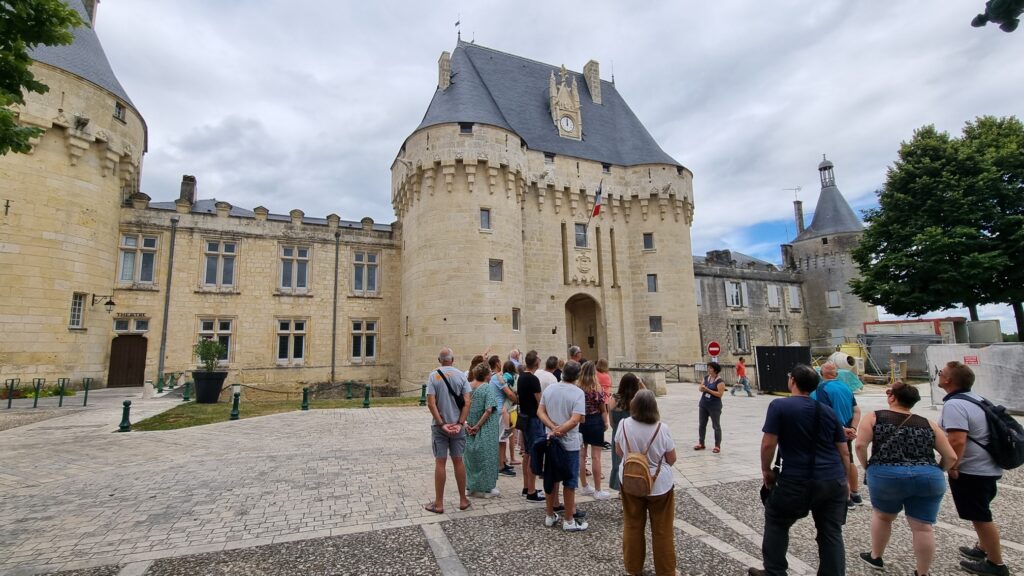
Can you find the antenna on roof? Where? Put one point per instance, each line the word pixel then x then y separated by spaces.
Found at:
pixel 795 191
pixel 613 72
pixel 458 30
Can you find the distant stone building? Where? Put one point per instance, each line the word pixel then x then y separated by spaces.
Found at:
pixel 534 210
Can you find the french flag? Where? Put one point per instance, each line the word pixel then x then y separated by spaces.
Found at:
pixel 597 200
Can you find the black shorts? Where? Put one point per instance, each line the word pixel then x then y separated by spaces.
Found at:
pixel 592 430
pixel 973 496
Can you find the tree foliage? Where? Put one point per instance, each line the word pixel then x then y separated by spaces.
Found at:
pixel 25 24
pixel 949 227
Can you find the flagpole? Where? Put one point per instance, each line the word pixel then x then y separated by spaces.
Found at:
pixel 596 199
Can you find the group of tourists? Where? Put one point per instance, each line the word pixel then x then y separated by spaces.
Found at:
pixel 807 465
pixel 807 449
pixel 556 412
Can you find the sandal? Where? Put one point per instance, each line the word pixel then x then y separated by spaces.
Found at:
pixel 716 449
pixel 431 507
pixel 466 507
pixel 698 446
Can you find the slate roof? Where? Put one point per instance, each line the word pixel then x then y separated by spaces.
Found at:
pixel 832 215
pixel 209 206
pixel 511 92
pixel 84 57
pixel 742 261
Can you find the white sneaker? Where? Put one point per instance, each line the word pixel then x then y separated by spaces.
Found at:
pixel 550 521
pixel 575 525
pixel 602 495
pixel 492 493
pixel 586 491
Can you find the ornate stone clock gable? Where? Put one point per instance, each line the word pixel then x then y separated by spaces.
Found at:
pixel 564 101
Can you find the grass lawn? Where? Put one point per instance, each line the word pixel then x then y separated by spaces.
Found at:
pixel 192 414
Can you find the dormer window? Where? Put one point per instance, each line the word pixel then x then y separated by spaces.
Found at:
pixel 549 157
pixel 465 127
pixel 606 168
pixel 824 240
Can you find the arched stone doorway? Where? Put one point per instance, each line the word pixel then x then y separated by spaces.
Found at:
pixel 583 326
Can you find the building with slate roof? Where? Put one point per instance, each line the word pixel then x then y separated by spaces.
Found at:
pixel 533 210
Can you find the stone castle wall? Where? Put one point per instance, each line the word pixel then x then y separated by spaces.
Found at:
pixel 58 225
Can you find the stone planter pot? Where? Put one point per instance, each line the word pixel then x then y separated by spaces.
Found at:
pixel 208 386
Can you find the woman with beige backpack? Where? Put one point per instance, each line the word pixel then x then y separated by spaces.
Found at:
pixel 648 453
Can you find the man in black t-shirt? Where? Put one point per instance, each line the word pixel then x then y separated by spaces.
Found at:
pixel 528 423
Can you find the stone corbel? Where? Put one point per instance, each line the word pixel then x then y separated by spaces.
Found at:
pixel 662 206
pixel 428 182
pixel 688 212
pixel 558 198
pixel 540 198
pixel 449 175
pixel 76 145
pixel 574 200
pixel 492 181
pixel 643 208
pixel 627 208
pixel 511 187
pixel 470 176
pixel 614 205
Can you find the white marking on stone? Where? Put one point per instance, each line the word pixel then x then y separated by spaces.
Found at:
pixel 969 532
pixel 447 560
pixel 135 568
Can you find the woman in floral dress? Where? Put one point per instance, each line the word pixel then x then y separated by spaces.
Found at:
pixel 482 437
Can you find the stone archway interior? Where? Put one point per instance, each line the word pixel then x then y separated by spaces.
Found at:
pixel 582 326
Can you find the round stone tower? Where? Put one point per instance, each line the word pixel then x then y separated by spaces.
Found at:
pixel 822 253
pixel 61 205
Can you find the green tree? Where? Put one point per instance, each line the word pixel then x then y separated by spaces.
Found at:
pixel 25 24
pixel 949 227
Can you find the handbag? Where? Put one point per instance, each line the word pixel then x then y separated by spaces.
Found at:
pixel 460 400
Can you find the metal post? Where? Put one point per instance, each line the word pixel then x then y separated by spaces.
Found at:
pixel 423 395
pixel 62 382
pixel 185 393
pixel 167 297
pixel 366 397
pixel 12 384
pixel 37 383
pixel 305 398
pixel 234 406
pixel 86 383
pixel 348 388
pixel 126 425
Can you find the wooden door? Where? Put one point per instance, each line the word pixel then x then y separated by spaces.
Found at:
pixel 127 362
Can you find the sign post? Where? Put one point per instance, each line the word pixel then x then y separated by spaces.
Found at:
pixel 713 350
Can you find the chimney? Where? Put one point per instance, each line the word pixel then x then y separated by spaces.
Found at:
pixel 188 189
pixel 444 71
pixel 798 211
pixel 592 74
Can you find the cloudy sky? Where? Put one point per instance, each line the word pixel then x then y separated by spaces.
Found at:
pixel 301 104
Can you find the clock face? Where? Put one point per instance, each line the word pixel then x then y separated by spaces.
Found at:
pixel 566 123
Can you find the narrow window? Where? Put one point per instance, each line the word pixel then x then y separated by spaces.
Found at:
pixel 121 325
pixel 652 282
pixel 824 240
pixel 294 268
pixel 119 111
pixel 740 338
pixel 697 291
pixel 142 325
pixel 365 270
pixel 655 323
pixel 364 340
pixel 496 270
pixel 781 333
pixel 219 329
pixel 833 299
pixel 465 127
pixel 773 297
pixel 515 319
pixel 648 241
pixel 581 235
pixel 138 259
pixel 485 218
pixel 606 168
pixel 291 341
pixel 549 157
pixel 77 310
pixel 794 297
pixel 735 294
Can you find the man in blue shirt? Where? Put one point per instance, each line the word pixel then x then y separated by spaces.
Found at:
pixel 815 458
pixel 833 393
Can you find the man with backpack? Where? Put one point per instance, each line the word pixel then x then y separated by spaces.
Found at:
pixel 812 480
pixel 972 480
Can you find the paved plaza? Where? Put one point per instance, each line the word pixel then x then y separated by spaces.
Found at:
pixel 341 492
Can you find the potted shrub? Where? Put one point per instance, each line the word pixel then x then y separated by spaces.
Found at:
pixel 210 380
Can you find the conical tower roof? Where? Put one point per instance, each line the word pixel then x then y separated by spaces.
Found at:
pixel 833 214
pixel 84 57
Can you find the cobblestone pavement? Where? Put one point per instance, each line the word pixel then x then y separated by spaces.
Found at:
pixel 341 492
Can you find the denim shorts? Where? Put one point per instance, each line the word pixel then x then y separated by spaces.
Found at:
pixel 592 429
pixel 916 489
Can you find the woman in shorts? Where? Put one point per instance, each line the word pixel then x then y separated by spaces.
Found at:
pixel 595 422
pixel 902 473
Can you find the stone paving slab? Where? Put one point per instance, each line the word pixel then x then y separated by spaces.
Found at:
pixel 75 495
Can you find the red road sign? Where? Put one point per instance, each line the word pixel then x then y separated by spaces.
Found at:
pixel 971 360
pixel 714 348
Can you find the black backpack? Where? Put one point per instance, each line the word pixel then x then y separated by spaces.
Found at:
pixel 1005 434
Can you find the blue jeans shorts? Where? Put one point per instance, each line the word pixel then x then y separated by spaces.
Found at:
pixel 916 489
pixel 573 462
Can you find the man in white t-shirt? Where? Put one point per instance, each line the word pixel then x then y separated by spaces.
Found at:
pixel 562 407
pixel 547 376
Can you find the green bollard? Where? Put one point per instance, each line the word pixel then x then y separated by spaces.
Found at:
pixel 185 392
pixel 234 406
pixel 366 397
pixel 170 381
pixel 305 398
pixel 12 384
pixel 423 395
pixel 62 382
pixel 37 383
pixel 126 425
pixel 160 385
pixel 86 383
pixel 348 387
